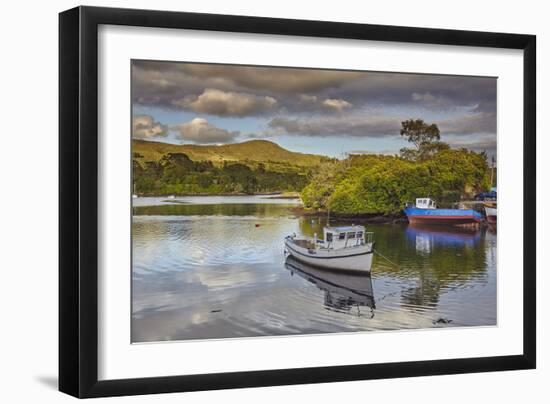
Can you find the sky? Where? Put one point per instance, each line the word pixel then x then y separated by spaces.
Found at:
pixel 329 112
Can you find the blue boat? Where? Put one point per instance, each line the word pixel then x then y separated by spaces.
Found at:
pixel 425 211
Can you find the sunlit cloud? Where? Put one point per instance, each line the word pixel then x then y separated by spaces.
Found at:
pixel 337 105
pixel 199 130
pixel 226 103
pixel 145 127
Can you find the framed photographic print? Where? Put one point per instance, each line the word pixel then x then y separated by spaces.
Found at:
pixel 251 201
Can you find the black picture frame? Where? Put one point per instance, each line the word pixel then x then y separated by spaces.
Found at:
pixel 78 201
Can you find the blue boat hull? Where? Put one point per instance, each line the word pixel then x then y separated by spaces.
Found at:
pixel 451 217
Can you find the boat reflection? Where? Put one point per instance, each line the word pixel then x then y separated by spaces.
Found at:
pixel 425 237
pixel 345 292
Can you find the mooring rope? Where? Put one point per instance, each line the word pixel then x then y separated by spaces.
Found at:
pixel 386 258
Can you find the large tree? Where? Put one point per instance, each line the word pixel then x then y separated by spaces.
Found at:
pixel 425 137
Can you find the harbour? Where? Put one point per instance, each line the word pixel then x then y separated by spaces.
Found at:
pixel 215 267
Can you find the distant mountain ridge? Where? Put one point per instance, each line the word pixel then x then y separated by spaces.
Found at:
pixel 256 151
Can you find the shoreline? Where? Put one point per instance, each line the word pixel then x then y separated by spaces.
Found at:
pixel 300 210
pixel 352 218
pixel 267 195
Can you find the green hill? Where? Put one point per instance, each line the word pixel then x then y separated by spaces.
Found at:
pixel 250 153
pixel 257 166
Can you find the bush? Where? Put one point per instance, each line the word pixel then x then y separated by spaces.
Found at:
pixel 383 184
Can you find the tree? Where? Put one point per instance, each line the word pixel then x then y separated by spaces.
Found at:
pixel 425 138
pixel 383 184
pixel 322 184
pixel 419 133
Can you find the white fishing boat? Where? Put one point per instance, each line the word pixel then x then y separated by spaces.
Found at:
pixel 348 248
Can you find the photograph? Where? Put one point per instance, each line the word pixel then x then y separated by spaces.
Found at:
pixel 276 201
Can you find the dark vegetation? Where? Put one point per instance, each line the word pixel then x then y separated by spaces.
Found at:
pixel 176 173
pixel 257 166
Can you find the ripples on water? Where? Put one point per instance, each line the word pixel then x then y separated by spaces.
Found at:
pixel 207 269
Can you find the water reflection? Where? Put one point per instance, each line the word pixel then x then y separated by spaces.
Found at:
pixel 342 291
pixel 425 236
pixel 219 271
pixel 227 209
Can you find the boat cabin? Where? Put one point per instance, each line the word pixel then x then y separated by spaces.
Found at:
pixel 425 203
pixel 345 236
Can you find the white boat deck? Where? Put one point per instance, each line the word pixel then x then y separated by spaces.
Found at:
pixel 344 247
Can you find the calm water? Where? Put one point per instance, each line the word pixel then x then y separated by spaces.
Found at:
pixel 214 267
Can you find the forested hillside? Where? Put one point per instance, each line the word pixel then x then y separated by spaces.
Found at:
pixel 243 168
pixel 250 153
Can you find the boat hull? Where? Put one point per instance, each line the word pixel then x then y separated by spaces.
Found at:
pixel 452 217
pixel 355 259
pixel 491 214
pixel 342 289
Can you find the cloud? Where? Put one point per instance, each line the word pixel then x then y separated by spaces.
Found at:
pixel 313 103
pixel 300 90
pixel 337 105
pixel 199 130
pixel 355 125
pixel 477 142
pixel 145 127
pixel 156 83
pixel 426 97
pixel 289 80
pixel 428 100
pixel 477 122
pixel 436 92
pixel 226 103
pixel 308 99
pixel 376 152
